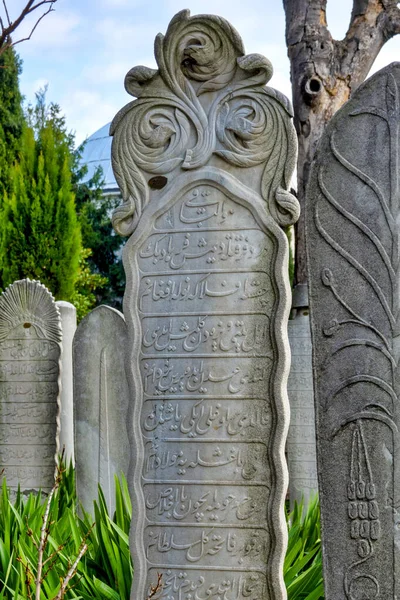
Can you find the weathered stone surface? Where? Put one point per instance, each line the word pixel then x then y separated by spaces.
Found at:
pixel 68 326
pixel 30 347
pixel 100 404
pixel 353 252
pixel 301 444
pixel 204 159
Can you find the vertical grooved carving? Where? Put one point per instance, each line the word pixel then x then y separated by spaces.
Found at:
pixel 105 477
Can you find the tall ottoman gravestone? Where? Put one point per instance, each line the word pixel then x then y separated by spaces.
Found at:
pixel 100 404
pixel 204 159
pixel 353 251
pixel 30 348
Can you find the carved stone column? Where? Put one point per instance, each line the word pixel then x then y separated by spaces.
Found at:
pixel 353 252
pixel 301 446
pixel 204 159
pixel 68 327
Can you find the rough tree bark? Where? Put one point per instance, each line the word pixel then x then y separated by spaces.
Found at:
pixel 325 72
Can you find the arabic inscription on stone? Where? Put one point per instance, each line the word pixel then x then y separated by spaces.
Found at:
pixel 204 159
pixel 30 336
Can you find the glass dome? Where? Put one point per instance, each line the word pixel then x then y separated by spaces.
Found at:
pixel 97 152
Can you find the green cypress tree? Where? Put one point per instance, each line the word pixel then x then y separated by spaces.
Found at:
pixel 11 115
pixel 40 234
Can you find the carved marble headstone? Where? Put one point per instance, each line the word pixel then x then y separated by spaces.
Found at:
pixel 301 445
pixel 353 251
pixel 203 159
pixel 100 404
pixel 68 327
pixel 30 347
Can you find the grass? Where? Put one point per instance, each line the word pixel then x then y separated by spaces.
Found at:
pixel 105 570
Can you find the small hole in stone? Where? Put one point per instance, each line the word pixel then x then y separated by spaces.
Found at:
pixel 315 85
pixel 157 183
pixel 27 325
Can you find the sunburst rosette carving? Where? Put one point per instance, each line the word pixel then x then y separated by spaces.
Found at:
pixel 29 303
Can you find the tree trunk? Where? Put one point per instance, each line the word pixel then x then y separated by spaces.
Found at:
pixel 324 73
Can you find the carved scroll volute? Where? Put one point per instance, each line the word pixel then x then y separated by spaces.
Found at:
pixel 353 253
pixel 207 98
pixel 204 159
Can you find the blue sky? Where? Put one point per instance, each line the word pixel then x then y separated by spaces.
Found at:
pixel 84 49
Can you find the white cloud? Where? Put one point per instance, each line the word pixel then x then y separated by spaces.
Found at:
pixel 121 3
pixel 56 30
pixel 86 111
pixel 106 73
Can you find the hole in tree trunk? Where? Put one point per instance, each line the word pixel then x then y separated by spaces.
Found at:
pixel 312 89
pixel 313 85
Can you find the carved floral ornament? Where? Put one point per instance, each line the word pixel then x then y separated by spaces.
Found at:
pixel 206 98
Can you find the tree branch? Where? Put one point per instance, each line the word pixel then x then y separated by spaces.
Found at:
pixel 44 535
pixel 7 31
pixel 71 572
pixel 303 18
pixel 372 24
pixel 155 588
pixel 6 10
pixel 391 22
pixel 34 27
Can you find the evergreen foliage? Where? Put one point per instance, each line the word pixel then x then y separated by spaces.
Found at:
pixel 88 285
pixel 94 210
pixel 44 207
pixel 11 114
pixel 40 234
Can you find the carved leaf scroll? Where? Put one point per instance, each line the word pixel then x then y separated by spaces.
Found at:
pixel 169 128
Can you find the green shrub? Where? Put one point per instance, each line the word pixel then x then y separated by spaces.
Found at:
pixel 104 571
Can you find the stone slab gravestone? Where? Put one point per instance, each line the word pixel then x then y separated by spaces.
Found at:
pixel 301 445
pixel 68 326
pixel 30 348
pixel 353 252
pixel 203 159
pixel 100 404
